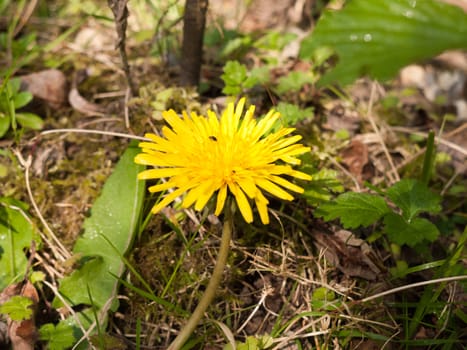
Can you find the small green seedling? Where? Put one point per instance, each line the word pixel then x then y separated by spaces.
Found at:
pixel 18 308
pixel 12 99
pixel 254 343
pixel 58 337
pixel 238 79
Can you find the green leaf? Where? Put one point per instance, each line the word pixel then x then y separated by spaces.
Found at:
pixel 379 37
pixel 324 183
pixel 258 75
pixel 254 343
pixel 291 114
pixel 58 337
pixel 236 47
pixel 294 81
pixel 323 294
pixel 413 197
pixel 30 120
pixel 4 123
pixel 21 99
pixel 354 209
pixel 274 40
pixel 14 84
pixel 234 76
pixel 400 231
pixel 16 234
pixel 108 234
pixel 18 308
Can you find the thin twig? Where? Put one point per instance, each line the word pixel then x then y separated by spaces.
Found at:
pixel 442 141
pixel 126 109
pixel 413 285
pixel 61 254
pixel 96 132
pixel 265 293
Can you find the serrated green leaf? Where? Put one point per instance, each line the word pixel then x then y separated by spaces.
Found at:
pixel 235 73
pixel 294 81
pixel 258 75
pixel 354 209
pixel 232 90
pixel 401 232
pixel 18 308
pixel 16 234
pixel 274 40
pixel 30 120
pixel 58 337
pixel 379 37
pixel 291 114
pixel 324 184
pixel 413 197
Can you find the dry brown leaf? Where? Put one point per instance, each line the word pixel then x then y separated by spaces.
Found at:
pixel 355 157
pixel 49 86
pixel 351 255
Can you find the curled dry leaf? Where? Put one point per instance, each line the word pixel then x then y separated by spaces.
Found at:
pixel 78 102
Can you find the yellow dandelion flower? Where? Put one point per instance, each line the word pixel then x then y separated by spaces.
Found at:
pixel 206 156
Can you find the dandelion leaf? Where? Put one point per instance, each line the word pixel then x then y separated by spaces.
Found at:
pixel 108 234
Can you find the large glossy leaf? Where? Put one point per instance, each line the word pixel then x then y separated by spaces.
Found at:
pixel 107 236
pixel 378 37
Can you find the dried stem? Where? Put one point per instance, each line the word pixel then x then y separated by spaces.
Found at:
pixel 120 11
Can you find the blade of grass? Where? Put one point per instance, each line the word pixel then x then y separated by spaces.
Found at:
pixel 96 319
pixel 432 292
pixel 138 334
pixel 429 159
pixel 152 297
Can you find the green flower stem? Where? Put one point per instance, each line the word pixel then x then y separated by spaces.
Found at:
pixel 211 289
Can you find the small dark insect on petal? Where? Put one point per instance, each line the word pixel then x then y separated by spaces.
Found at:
pixel 213 138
